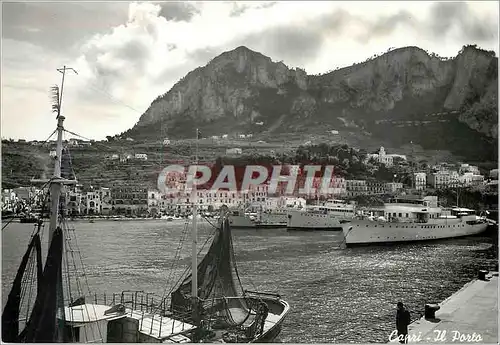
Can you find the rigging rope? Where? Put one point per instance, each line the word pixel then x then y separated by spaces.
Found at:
pixel 186 271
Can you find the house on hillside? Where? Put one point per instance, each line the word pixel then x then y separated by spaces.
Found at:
pixel 224 136
pixel 129 139
pixel 166 141
pixel 125 157
pixel 241 136
pixel 141 156
pixel 249 135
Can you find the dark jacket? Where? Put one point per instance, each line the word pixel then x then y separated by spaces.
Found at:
pixel 403 319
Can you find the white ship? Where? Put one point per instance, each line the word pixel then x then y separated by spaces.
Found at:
pixel 329 216
pixel 406 220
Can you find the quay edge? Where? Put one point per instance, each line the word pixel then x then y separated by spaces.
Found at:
pixel 469 315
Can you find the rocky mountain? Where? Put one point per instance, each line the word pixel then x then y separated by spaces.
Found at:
pixel 403 95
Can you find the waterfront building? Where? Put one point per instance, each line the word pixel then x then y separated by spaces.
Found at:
pixel 356 187
pixel 92 203
pixel 129 199
pixel 106 201
pixel 154 201
pixel 74 203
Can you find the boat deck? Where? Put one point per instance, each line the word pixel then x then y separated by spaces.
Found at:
pixel 159 327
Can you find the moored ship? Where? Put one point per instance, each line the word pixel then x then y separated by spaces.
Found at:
pixel 407 220
pixel 329 216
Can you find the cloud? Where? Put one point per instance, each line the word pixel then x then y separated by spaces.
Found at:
pixel 299 44
pixel 178 11
pixel 129 53
pixel 470 25
pixel 59 26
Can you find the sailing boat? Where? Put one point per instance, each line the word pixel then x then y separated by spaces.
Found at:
pixel 209 305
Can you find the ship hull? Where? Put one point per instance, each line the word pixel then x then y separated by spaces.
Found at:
pixel 365 232
pixel 268 221
pixel 303 221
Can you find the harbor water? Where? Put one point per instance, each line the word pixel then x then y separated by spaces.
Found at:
pixel 336 295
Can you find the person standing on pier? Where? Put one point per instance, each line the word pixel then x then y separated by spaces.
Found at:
pixel 403 319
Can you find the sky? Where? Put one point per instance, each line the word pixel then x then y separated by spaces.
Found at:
pixel 126 54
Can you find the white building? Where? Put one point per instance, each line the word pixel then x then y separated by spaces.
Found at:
pixel 356 187
pixel 471 179
pixel 125 157
pixel 166 141
pixel 92 202
pixel 53 153
pixel 241 136
pixel 464 168
pixel 217 199
pixel 420 179
pixel 393 187
pixel 443 179
pixel 106 201
pixel 383 158
pixel 154 201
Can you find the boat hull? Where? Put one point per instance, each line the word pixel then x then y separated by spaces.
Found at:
pixel 244 222
pixel 241 222
pixel 363 232
pixel 304 221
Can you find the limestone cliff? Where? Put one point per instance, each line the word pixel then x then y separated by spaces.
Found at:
pixel 405 87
